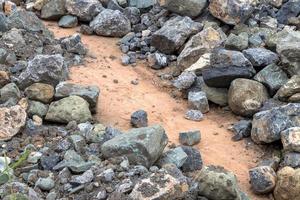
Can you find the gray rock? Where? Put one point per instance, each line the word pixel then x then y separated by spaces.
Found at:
pixel 10 92
pixel 231 12
pixel 173 156
pixel 72 108
pixel 88 93
pixel 268 125
pixel 242 129
pixel 291 159
pixel 85 10
pixel 86 177
pixel 189 8
pixel 114 5
pixel 139 119
pixel 218 96
pixel 262 179
pixel 261 57
pixel 198 101
pixel 189 138
pixel 288 10
pixel 140 146
pixel 141 4
pixel 37 108
pixel 3 23
pixel 68 21
pixel 133 14
pixel 125 186
pixel 198 45
pixel 45 184
pixel 53 10
pixel 73 44
pixel 273 77
pixel 157 60
pixel 193 161
pixel 290 139
pixel 290 88
pixel 194 115
pixel 3 55
pixel 185 80
pixel 50 69
pixel 174 33
pixel 86 30
pixel 237 42
pixel 48 162
pixel 270 104
pixel 111 23
pixel 245 97
pixel 107 175
pixel 78 142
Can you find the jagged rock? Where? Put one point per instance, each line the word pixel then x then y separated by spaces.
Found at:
pixel 10 92
pixel 37 108
pixel 288 184
pixel 86 177
pixel 288 47
pixel 290 88
pixel 268 125
pixel 261 57
pixel 114 5
pixel 218 96
pixel 262 179
pixel 53 10
pixel 242 129
pixel 291 159
pixel 294 98
pixel 237 42
pixel 141 4
pixel 202 63
pixel 245 97
pixel 173 156
pixel 185 80
pixel 3 23
pixel 199 44
pixel 45 184
pixel 198 101
pixel 189 138
pixel 139 119
pixel 194 115
pixel 4 78
pixel 174 33
pixel 85 10
pixel 193 161
pixel 231 12
pixel 216 183
pixel 157 60
pixel 289 9
pixel 72 108
pixel 73 44
pixel 133 14
pixel 273 77
pixel 11 121
pixel 141 146
pixel 290 139
pixel 40 92
pixel 189 8
pixel 86 30
pixel 111 23
pixel 152 188
pixel 50 69
pixel 68 21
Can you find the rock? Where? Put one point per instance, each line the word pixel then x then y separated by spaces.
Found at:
pixel 201 43
pixel 48 162
pixel 34 157
pixel 85 10
pixel 262 179
pixel 231 12
pixel 185 80
pixel 114 5
pixel 9 7
pixel 3 23
pixel 291 159
pixel 261 57
pixel 4 78
pixel 202 63
pixel 218 96
pixel 88 93
pixel 78 142
pixel 139 119
pixel 288 10
pixel 290 88
pixel 40 92
pixel 125 186
pixel 216 183
pixel 268 125
pixel 86 30
pixel 107 175
pixel 288 184
pixel 68 21
pixel 111 23
pixel 198 101
pixel 290 139
pixel 141 146
pixel 245 97
pixel 157 60
pixel 45 184
pixel 237 42
pixel 174 33
pixel 72 108
pixel 152 188
pixel 86 177
pixel 37 108
pixel 189 138
pixel 193 161
pixel 11 121
pixel 242 129
pixel 273 77
pixel 73 44
pixel 141 4
pixel 133 14
pixel 174 156
pixel 194 115
pixel 10 92
pixel 49 69
pixel 189 8
pixel 53 10
pixel 288 47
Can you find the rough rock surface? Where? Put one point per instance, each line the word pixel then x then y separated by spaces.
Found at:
pixel 290 88
pixel 290 139
pixel 262 179
pixel 53 10
pixel 191 8
pixel 40 92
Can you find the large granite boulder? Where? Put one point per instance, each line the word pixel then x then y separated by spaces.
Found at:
pixel 268 125
pixel 141 146
pixel 111 23
pixel 72 108
pixel 245 97
pixel 232 12
pixel 174 33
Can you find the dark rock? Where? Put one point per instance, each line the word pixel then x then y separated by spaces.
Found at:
pixel 68 21
pixel 186 8
pixel 49 161
pixel 262 179
pixel 289 9
pixel 86 30
pixel 189 138
pixel 260 57
pixel 237 42
pixel 291 159
pixel 141 4
pixel 173 156
pixel 73 44
pixel 242 129
pixel 3 23
pixel 133 14
pixel 198 101
pixel 193 161
pixel 53 10
pixel 139 119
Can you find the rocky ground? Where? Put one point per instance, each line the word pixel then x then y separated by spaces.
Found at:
pixel 58 141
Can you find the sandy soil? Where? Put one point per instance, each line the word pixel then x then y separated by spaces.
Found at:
pixel 119 98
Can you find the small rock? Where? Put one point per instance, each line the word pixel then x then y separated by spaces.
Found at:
pixel 262 179
pixel 139 119
pixel 68 21
pixel 193 161
pixel 45 183
pixel 237 42
pixel 107 176
pixel 189 138
pixel 187 8
pixel 86 177
pixel 242 129
pixel 175 156
pixel 185 80
pixel 198 101
pixel 291 139
pixel 194 115
pixel 40 92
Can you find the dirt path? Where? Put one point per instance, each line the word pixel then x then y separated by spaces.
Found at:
pixel 119 100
